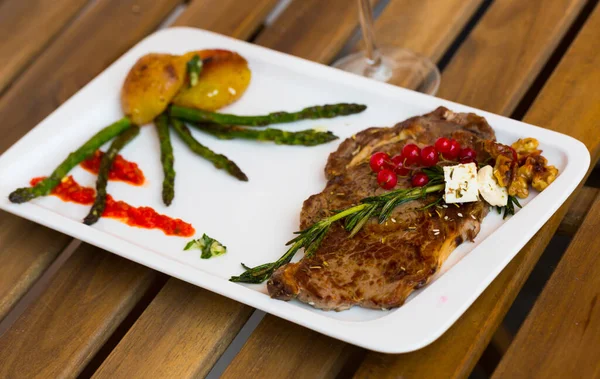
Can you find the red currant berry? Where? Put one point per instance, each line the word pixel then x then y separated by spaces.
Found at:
pixel 466 160
pixel 411 154
pixel 387 179
pixel 453 151
pixel 399 169
pixel 419 179
pixel 379 161
pixel 467 152
pixel 429 156
pixel 442 145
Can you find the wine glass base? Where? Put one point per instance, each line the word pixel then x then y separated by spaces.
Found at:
pixel 398 66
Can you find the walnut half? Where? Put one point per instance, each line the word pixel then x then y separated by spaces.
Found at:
pixel 543 174
pixel 536 171
pixel 526 146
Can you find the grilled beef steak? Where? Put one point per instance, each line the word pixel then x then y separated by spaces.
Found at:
pixel 382 264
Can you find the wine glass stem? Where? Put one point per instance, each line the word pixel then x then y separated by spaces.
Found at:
pixel 368 32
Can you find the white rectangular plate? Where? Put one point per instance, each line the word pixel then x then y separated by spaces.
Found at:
pixel 255 219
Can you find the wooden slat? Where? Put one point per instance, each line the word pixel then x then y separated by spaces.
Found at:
pixel 236 18
pixel 568 103
pixel 127 298
pixel 180 335
pixel 508 48
pixel 54 76
pixel 27 250
pixel 427 27
pixel 52 339
pixel 312 29
pixel 279 349
pixel 560 337
pixel 21 36
pixel 579 209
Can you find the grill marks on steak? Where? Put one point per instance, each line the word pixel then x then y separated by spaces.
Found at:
pixel 382 264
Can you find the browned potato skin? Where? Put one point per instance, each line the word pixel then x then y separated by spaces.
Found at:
pixel 150 86
pixel 223 80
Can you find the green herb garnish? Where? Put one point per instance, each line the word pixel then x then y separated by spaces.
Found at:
pixel 509 208
pixel 210 247
pixel 194 67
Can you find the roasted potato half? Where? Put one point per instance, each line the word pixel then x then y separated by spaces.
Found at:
pixel 150 86
pixel 224 78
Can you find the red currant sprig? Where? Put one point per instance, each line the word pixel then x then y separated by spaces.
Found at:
pixel 388 169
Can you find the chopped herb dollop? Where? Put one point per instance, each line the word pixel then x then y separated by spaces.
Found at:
pixel 210 247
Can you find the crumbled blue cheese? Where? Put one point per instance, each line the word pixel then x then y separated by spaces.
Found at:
pixel 489 188
pixel 461 183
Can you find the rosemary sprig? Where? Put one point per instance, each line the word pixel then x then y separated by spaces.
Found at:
pixel 432 204
pixel 435 173
pixel 509 208
pixel 355 218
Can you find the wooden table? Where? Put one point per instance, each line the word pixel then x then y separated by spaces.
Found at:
pixel 100 315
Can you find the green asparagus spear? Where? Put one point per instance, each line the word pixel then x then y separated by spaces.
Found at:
pixel 218 160
pixel 166 157
pixel 280 137
pixel 320 111
pixel 44 187
pixel 105 165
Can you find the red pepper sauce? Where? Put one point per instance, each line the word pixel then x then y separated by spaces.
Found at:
pixel 121 169
pixel 141 217
pixel 70 190
pixel 147 218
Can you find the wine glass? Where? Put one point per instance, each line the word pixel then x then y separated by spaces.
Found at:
pixel 389 64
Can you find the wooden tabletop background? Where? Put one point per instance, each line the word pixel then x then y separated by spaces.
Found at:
pixel 70 309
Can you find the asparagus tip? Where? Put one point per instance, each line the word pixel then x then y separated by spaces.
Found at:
pixel 241 176
pixel 90 219
pixel 167 199
pixel 20 195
